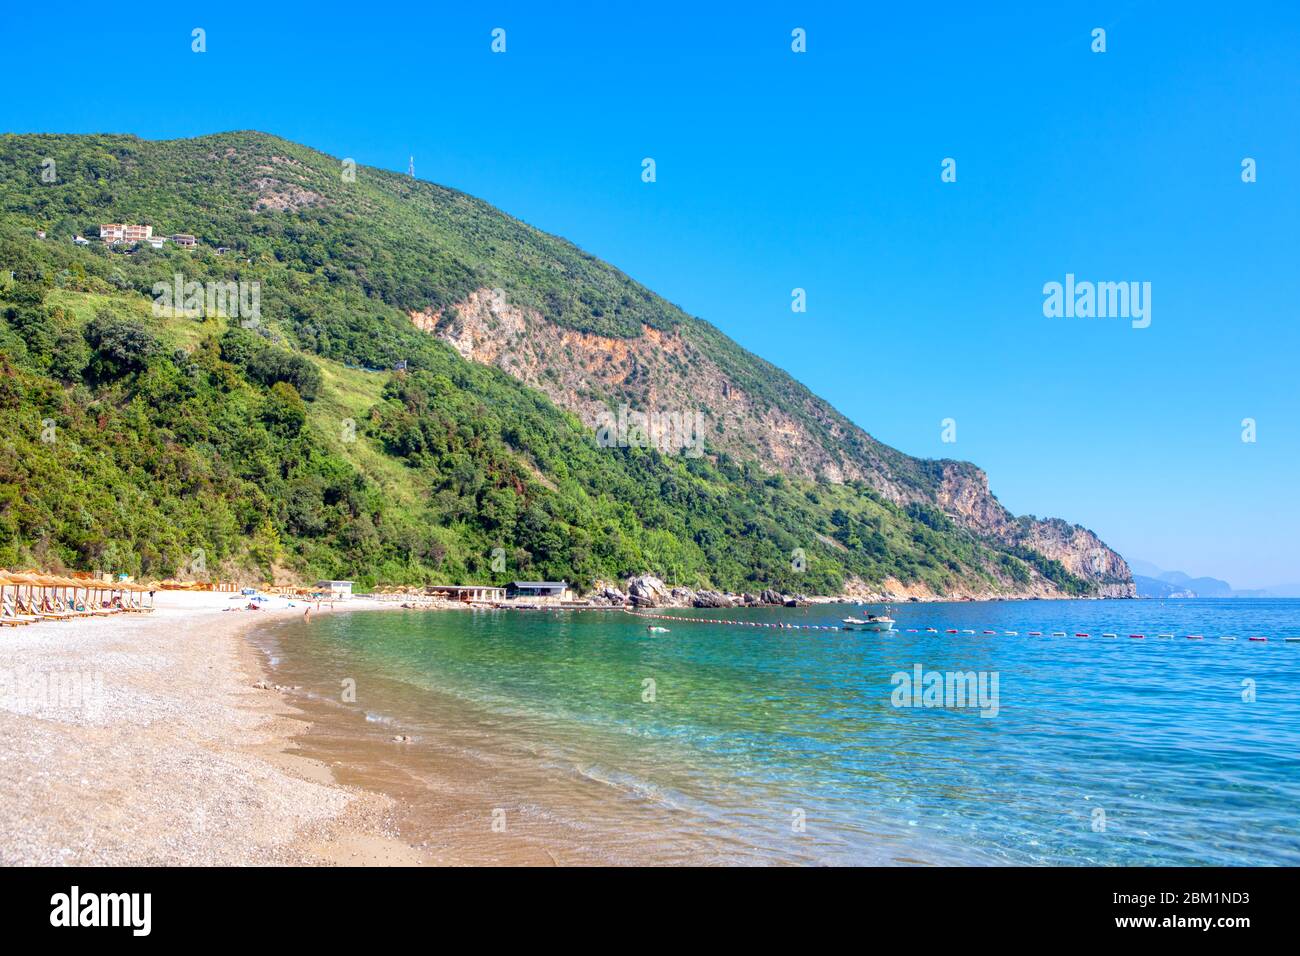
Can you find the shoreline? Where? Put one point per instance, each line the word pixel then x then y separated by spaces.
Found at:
pixel 176 747
pixel 147 740
pixel 181 750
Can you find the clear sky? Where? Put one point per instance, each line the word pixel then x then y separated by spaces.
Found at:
pixel 822 170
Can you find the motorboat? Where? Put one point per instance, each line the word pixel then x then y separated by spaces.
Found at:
pixel 872 622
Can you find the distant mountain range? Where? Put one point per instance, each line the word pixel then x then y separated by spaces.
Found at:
pixel 1153 582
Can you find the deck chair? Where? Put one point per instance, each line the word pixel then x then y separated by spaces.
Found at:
pixel 47 608
pixel 62 608
pixel 10 617
pixel 28 608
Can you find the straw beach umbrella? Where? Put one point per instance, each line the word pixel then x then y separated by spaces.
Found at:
pixel 59 585
pixel 29 581
pixel 6 582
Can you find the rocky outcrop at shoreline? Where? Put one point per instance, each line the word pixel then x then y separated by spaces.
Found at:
pixel 650 591
pixel 714 599
pixel 647 590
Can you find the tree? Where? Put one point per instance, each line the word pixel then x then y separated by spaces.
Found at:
pixel 266 548
pixel 120 346
pixel 70 357
pixel 284 410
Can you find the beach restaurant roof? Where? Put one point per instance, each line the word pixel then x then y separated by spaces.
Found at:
pixel 539 588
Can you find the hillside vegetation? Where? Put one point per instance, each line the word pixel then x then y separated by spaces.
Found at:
pixel 293 445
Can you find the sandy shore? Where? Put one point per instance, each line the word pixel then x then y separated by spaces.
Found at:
pixel 143 740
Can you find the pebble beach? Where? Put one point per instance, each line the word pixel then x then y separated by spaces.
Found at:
pixel 155 739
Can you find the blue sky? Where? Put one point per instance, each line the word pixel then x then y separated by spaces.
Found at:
pixel 822 171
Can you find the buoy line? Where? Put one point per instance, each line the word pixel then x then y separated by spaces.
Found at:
pixel 781 626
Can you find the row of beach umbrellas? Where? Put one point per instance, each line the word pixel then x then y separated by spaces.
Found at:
pixel 34 581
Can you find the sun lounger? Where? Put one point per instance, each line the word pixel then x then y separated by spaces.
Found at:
pixel 27 608
pixel 9 617
pixel 79 607
pixel 58 607
pixel 49 612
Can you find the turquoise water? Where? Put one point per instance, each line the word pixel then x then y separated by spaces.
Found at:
pixel 766 745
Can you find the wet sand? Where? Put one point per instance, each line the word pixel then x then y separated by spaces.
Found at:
pixel 472 789
pixel 165 740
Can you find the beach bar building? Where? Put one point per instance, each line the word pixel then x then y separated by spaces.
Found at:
pixel 335 590
pixel 550 591
pixel 467 593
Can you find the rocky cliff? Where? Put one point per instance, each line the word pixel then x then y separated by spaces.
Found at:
pixel 681 368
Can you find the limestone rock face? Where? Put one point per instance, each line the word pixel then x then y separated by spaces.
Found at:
pixel 713 599
pixel 800 435
pixel 606 596
pixel 964 496
pixel 646 590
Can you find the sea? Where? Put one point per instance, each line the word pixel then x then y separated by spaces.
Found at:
pixel 761 736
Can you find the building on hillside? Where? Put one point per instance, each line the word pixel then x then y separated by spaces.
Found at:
pixel 184 240
pixel 539 590
pixel 124 232
pixel 157 241
pixel 335 590
pixel 80 241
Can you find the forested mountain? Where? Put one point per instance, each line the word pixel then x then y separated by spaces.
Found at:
pixel 418 397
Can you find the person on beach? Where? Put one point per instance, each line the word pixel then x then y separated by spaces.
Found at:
pixel 306 615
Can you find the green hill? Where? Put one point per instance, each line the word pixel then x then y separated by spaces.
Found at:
pixel 143 439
